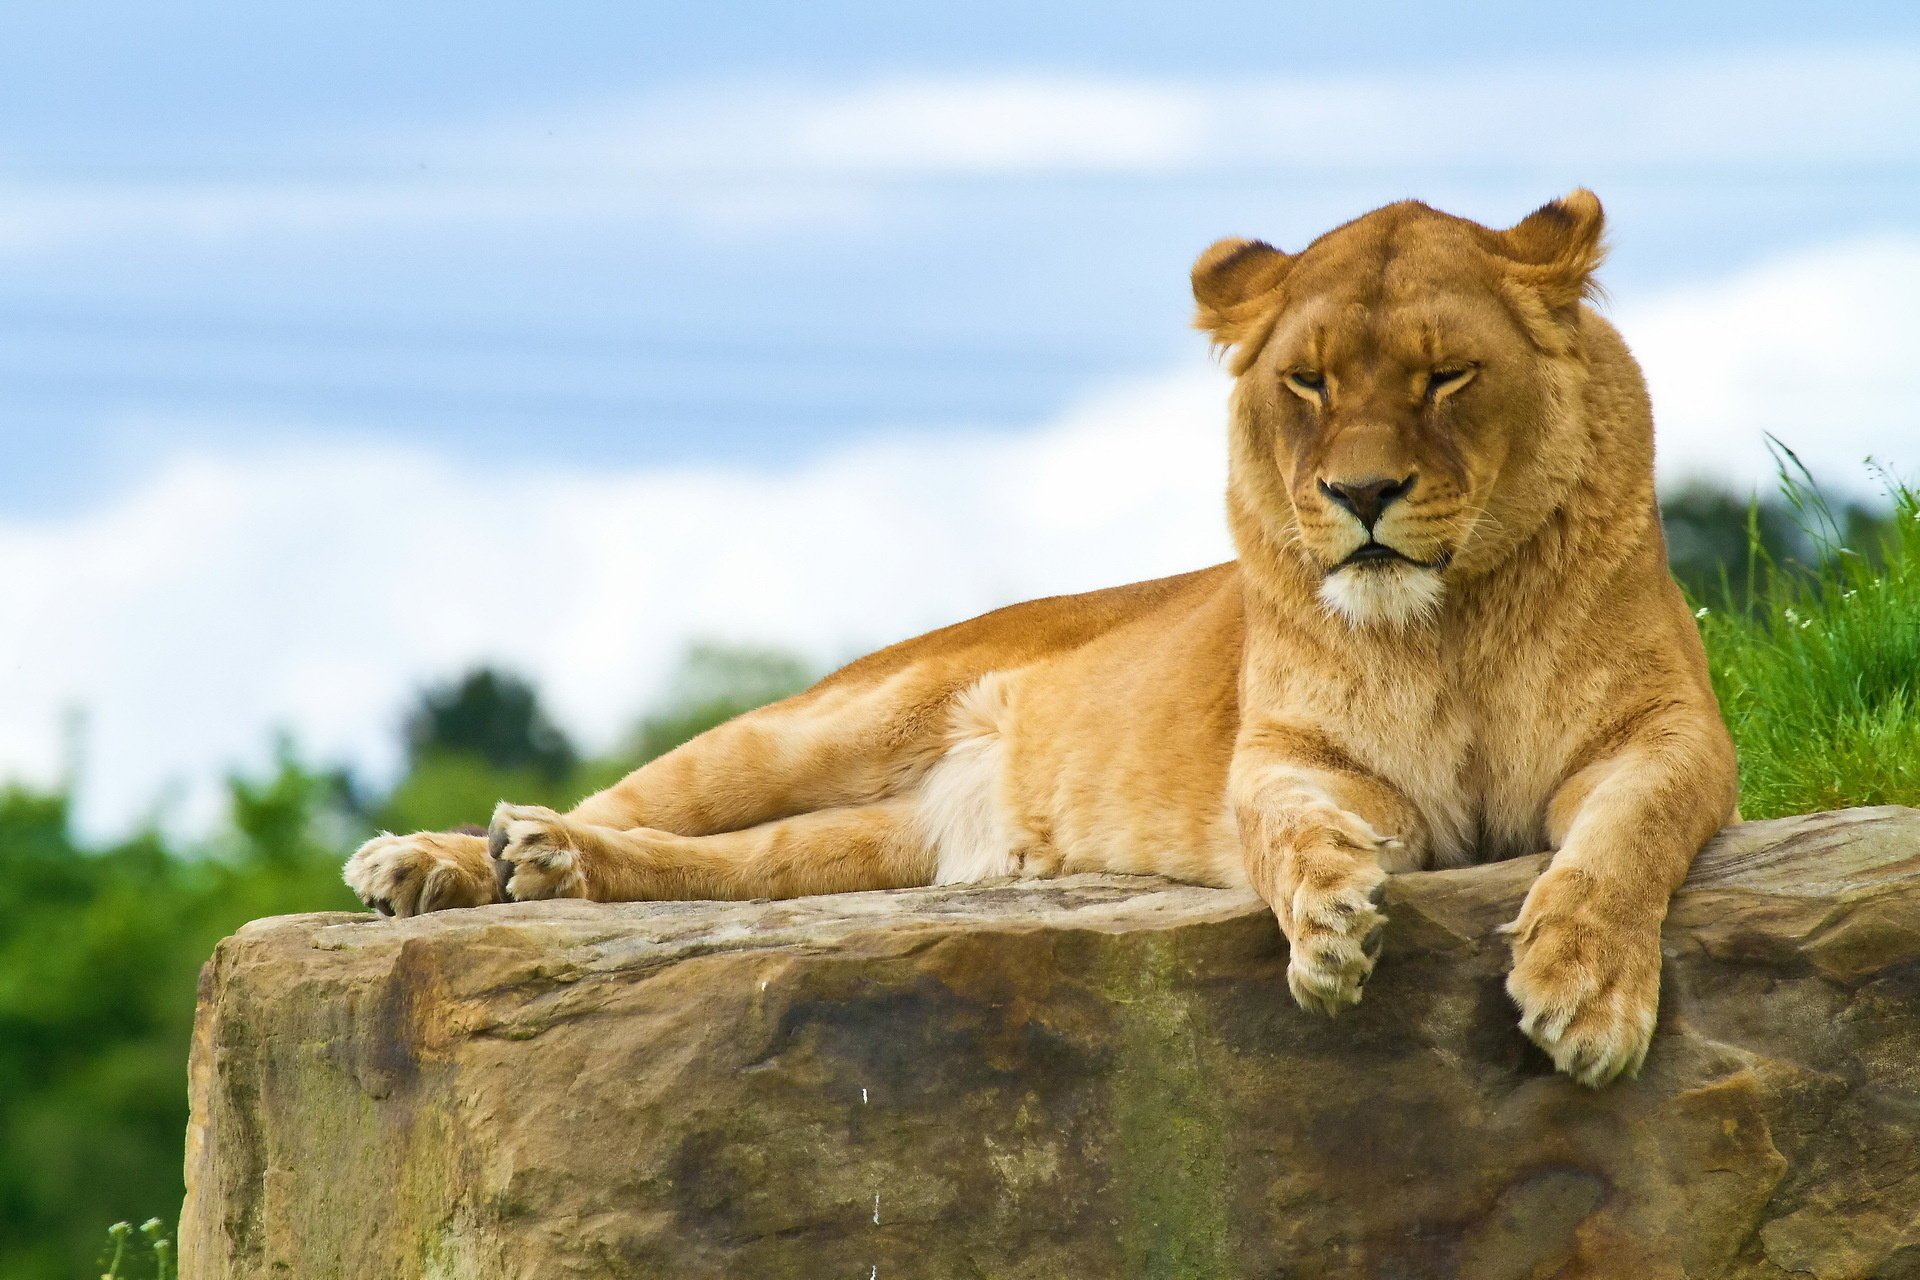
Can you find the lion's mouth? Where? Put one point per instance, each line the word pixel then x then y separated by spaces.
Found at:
pixel 1379 553
pixel 1374 553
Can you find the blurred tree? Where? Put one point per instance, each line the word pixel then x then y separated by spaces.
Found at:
pixel 1707 537
pixel 444 790
pixel 1718 541
pixel 100 950
pixel 493 715
pixel 293 816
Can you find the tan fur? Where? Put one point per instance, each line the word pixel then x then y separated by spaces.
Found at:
pixel 1522 675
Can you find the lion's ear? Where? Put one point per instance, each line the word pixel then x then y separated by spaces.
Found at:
pixel 1233 284
pixel 1557 247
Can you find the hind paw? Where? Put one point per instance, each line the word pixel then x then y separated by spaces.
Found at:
pixel 426 871
pixel 535 854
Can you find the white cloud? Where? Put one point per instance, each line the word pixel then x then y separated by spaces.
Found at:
pixel 1004 125
pixel 1815 349
pixel 316 589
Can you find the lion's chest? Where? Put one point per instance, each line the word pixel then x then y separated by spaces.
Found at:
pixel 1478 759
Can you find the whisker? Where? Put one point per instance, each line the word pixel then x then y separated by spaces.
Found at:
pixel 1480 517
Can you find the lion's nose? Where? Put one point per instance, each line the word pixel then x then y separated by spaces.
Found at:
pixel 1367 497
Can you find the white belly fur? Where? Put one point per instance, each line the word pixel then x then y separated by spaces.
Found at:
pixel 963 812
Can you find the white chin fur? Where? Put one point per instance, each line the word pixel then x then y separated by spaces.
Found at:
pixel 1391 595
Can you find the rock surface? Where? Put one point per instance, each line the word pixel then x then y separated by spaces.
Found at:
pixel 1089 1077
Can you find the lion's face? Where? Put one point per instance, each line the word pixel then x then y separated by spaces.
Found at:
pixel 1402 391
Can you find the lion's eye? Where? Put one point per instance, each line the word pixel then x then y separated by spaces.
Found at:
pixel 1307 382
pixel 1448 378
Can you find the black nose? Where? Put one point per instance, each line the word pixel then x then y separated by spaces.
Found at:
pixel 1368 497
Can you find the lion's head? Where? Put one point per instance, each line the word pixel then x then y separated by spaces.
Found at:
pixel 1407 398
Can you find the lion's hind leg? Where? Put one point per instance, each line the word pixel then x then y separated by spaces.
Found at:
pixel 839 745
pixel 544 854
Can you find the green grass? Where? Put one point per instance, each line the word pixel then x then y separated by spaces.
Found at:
pixel 1816 662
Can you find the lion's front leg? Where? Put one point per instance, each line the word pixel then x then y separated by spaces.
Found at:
pixel 1586 944
pixel 1318 844
pixel 1325 888
pixel 1586 973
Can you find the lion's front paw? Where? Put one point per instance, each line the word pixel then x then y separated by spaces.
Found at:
pixel 1587 979
pixel 425 871
pixel 1335 928
pixel 535 854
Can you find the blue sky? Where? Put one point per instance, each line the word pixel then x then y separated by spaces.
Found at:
pixel 425 222
pixel 804 324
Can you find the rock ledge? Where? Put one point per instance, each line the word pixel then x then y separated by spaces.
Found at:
pixel 1087 1077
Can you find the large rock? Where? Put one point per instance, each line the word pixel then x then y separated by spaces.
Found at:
pixel 1089 1077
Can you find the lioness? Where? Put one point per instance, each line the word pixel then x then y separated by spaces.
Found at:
pixel 1450 636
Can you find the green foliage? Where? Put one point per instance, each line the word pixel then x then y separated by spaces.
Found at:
pixel 1816 663
pixel 447 790
pixel 100 947
pixel 100 950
